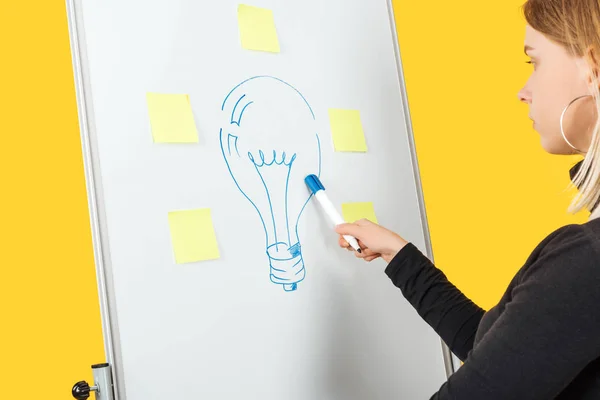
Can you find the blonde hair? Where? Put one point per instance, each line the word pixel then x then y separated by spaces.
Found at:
pixel 575 24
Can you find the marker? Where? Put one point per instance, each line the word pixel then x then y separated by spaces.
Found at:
pixel 317 188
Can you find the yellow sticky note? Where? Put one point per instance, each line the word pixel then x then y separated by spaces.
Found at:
pixel 347 130
pixel 257 29
pixel 171 118
pixel 352 212
pixel 193 236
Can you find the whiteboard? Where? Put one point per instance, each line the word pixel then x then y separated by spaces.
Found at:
pixel 243 325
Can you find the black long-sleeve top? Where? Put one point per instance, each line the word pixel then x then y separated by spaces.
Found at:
pixel 541 341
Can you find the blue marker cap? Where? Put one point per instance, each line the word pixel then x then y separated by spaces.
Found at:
pixel 313 183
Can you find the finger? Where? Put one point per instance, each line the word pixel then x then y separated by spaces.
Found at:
pixel 342 242
pixel 368 252
pixel 365 248
pixel 348 229
pixel 369 258
pixel 363 222
pixel 364 256
pixel 359 255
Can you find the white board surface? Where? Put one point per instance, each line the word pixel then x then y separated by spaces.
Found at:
pixel 230 328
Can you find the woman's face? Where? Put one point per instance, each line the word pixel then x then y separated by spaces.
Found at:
pixel 557 78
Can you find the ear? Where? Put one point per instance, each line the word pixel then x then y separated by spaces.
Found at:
pixel 592 56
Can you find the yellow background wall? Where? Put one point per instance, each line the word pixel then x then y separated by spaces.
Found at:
pixel 490 190
pixel 50 322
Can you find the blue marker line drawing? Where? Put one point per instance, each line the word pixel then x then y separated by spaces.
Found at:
pixel 270 143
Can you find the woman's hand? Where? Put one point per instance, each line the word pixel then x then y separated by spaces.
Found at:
pixel 375 241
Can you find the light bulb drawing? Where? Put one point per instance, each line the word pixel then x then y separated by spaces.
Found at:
pixel 270 143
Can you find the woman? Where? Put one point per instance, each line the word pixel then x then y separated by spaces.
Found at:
pixel 542 340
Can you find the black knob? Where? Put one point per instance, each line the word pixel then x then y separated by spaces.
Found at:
pixel 81 390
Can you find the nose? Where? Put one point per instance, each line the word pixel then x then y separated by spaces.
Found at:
pixel 524 95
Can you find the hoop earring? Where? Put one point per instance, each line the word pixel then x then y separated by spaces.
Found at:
pixel 562 131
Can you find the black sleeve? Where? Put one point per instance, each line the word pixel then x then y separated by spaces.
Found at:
pixel 547 333
pixel 445 308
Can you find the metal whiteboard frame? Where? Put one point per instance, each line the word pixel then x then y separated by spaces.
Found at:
pixel 95 194
pixel 450 361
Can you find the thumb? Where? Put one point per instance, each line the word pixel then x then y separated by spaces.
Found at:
pixel 348 229
pixel 364 222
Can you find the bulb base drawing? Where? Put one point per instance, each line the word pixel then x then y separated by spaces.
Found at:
pixel 287 265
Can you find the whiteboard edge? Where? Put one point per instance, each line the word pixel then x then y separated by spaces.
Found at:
pixel 80 72
pixel 446 353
